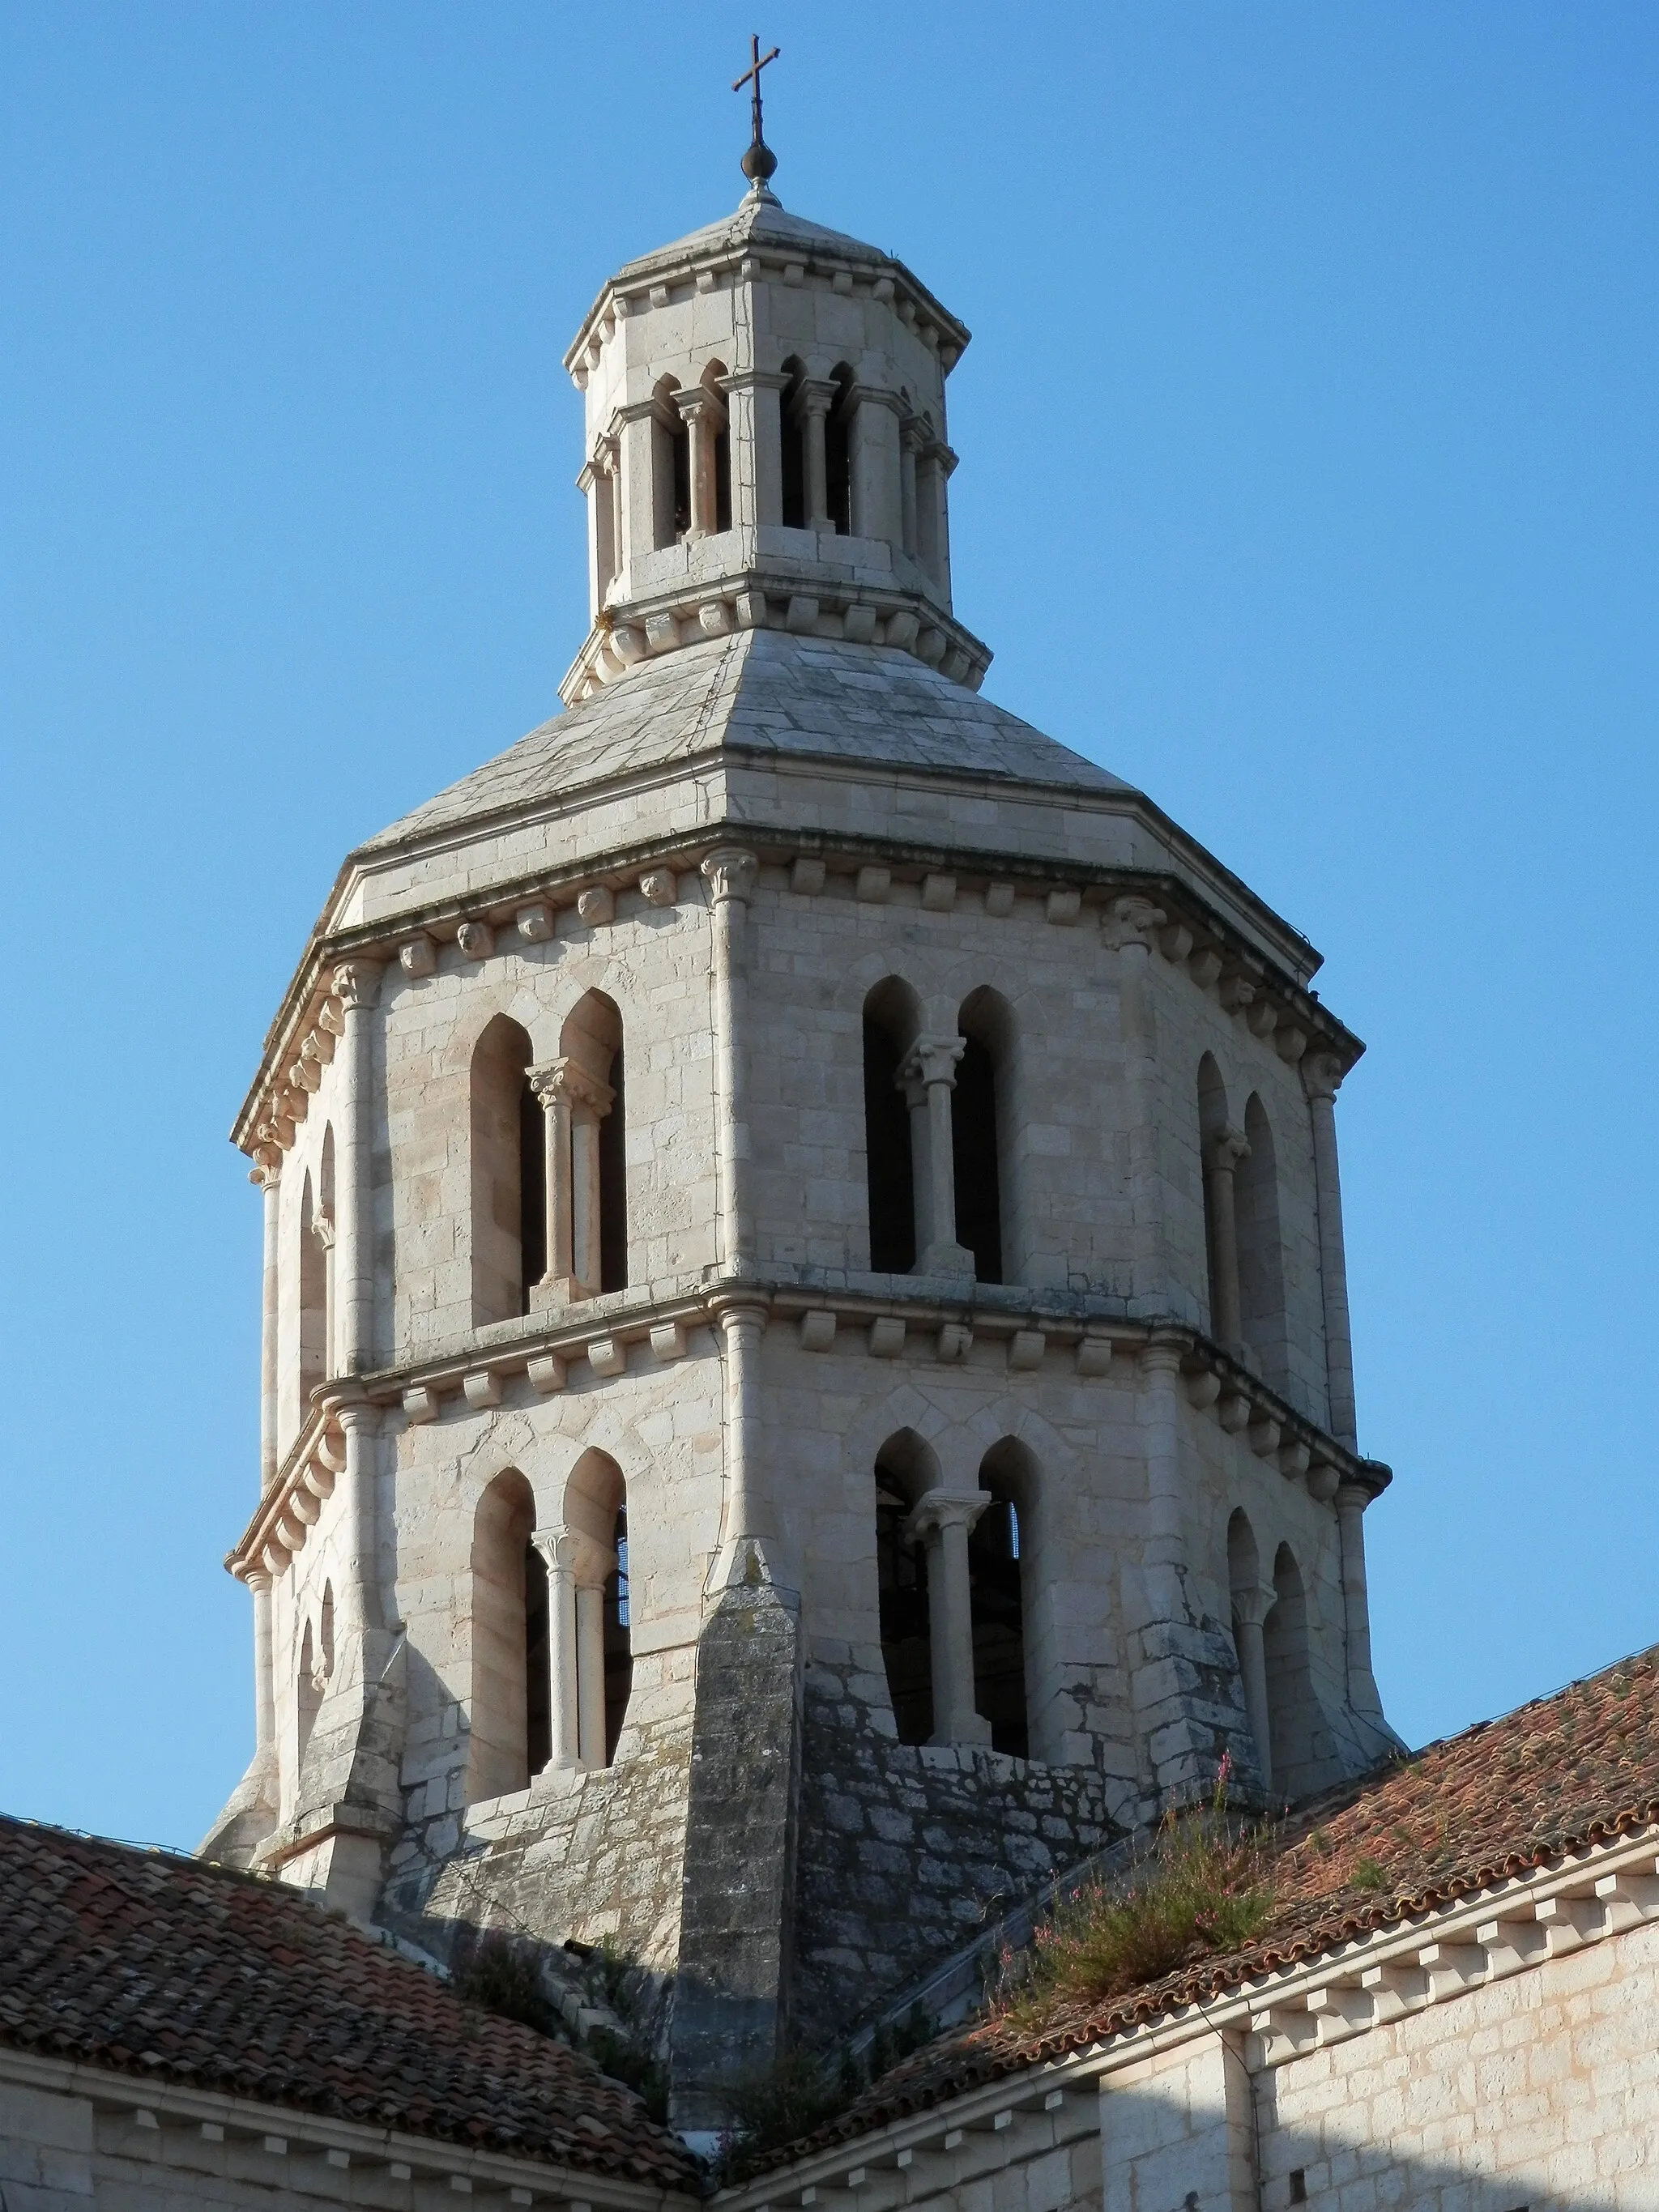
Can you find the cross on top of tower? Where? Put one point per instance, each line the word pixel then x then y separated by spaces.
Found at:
pixel 759 163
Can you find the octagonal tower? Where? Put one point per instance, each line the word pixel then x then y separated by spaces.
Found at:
pixel 806 1382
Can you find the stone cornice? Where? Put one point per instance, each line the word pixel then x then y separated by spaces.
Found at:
pixel 724 255
pixel 767 596
pixel 1194 932
pixel 887 1315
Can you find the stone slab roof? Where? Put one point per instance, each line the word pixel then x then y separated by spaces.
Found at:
pixel 1502 1800
pixel 760 693
pixel 173 1971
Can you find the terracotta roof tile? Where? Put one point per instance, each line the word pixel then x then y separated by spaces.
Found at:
pixel 1500 1800
pixel 160 1966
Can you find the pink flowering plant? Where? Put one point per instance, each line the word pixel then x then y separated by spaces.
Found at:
pixel 1202 1889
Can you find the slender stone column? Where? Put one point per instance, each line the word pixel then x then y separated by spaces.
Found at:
pixel 931 1066
pixel 730 874
pixel 746 1526
pixel 555 1549
pixel 1166 1542
pixel 1222 1153
pixel 1128 929
pixel 1250 1609
pixel 592 1565
pixel 704 418
pixel 812 405
pixel 573 1103
pixel 268 1174
pixel 912 434
pixel 943 1519
pixel 1321 1072
pixel 361 1602
pixel 264 1687
pixel 1351 1499
pixel 547 1082
pixel 909 1083
pixel 356 985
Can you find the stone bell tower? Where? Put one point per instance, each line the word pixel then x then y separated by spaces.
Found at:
pixel 806 1381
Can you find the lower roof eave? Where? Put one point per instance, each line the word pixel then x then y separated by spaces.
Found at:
pixel 1471 1940
pixel 185 2106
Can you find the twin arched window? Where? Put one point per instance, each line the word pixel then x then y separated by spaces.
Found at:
pixel 549 1153
pixel 934 1108
pixel 690 458
pixel 552 1660
pixel 950 1586
pixel 1271 1636
pixel 1242 1227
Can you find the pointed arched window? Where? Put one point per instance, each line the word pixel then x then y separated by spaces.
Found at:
pixel 508 1231
pixel 997 1573
pixel 979 1117
pixel 890 1018
pixel 1261 1252
pixel 508 1630
pixel 905 1471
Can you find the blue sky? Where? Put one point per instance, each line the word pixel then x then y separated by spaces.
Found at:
pixel 1308 479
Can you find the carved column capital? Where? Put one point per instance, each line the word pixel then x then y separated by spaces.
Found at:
pixel 932 1059
pixel 356 983
pixel 731 873
pixel 1322 1075
pixel 1254 1603
pixel 946 1509
pixel 1224 1149
pixel 815 395
pixel 566 1078
pixel 1130 920
pixel 697 402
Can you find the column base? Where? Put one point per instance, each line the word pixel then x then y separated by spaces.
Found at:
pixel 945 1260
pixel 557 1291
pixel 975 1730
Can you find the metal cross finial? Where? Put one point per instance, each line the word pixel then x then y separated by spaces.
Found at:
pixel 760 162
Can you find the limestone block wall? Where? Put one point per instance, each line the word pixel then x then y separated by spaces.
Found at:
pixel 1542 2089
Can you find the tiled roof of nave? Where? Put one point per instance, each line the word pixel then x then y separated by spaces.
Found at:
pixel 174 1972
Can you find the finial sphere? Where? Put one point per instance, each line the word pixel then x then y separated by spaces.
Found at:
pixel 759 162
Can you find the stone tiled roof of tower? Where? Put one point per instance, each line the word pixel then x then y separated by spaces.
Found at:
pixel 142 1964
pixel 760 693
pixel 1504 1798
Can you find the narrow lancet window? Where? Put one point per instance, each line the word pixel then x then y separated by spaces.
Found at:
pixel 890 1016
